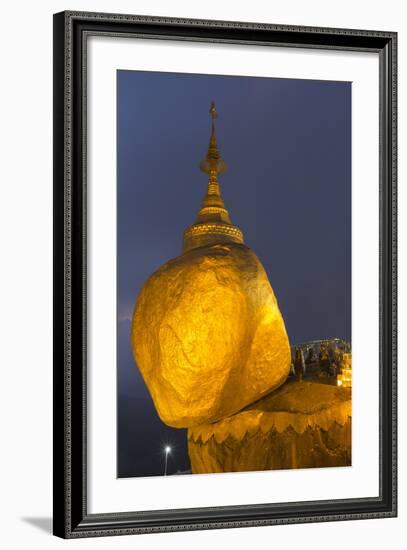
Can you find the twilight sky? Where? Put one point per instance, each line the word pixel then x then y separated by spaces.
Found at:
pixel 287 144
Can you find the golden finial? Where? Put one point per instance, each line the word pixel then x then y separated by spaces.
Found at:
pixel 213 164
pixel 212 111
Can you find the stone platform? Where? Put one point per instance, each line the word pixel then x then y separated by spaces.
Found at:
pixel 300 425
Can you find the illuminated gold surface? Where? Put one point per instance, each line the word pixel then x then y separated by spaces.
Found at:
pixel 208 335
pixel 345 378
pixel 300 425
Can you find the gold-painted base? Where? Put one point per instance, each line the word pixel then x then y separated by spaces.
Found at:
pixel 300 425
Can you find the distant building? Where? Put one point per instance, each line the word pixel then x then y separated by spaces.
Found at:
pixel 322 358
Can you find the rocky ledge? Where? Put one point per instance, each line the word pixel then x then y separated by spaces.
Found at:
pixel 300 425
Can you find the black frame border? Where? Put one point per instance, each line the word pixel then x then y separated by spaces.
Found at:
pixel 71 30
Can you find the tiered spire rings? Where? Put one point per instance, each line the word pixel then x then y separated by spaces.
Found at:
pixel 213 223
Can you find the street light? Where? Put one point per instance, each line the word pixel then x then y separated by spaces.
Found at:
pixel 167 451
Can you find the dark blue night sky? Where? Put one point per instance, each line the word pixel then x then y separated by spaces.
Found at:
pixel 288 147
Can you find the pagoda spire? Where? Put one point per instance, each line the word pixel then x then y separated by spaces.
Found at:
pixel 213 224
pixel 213 162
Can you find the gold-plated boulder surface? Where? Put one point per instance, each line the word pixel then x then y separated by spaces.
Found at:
pixel 300 425
pixel 208 336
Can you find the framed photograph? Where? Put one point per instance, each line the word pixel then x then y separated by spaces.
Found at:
pixel 224 274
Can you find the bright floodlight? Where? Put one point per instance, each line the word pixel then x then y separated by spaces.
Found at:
pixel 167 449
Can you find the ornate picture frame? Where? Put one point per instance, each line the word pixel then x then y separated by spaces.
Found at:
pixel 71 512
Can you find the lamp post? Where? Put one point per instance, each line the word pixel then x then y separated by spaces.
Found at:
pixel 167 451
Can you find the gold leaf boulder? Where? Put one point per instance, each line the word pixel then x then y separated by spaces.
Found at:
pixel 208 336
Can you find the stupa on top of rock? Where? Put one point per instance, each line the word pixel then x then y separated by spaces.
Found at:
pixel 207 333
pixel 213 225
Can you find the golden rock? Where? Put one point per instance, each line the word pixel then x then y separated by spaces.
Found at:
pixel 301 425
pixel 208 335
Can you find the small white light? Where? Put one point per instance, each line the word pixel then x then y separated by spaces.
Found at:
pixel 167 450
